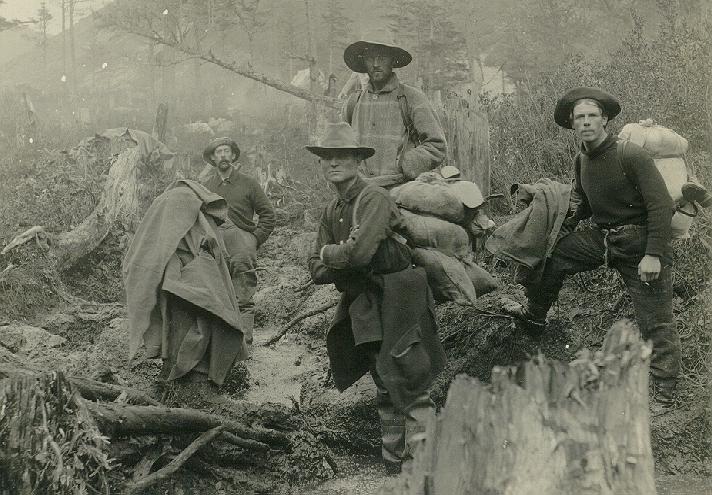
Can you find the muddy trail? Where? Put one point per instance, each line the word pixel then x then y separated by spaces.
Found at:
pixel 335 437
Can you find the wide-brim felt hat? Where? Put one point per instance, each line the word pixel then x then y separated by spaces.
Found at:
pixel 340 136
pixel 212 146
pixel 355 53
pixel 562 112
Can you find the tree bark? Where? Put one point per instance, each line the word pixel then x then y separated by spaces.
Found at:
pixel 117 420
pixel 544 427
pixel 89 389
pixel 118 201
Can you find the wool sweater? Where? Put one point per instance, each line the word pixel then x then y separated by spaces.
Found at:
pixel 379 124
pixel 244 198
pixel 611 199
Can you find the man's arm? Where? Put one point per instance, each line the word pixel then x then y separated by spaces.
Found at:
pixel 320 273
pixel 265 211
pixel 656 197
pixel 580 208
pixel 432 149
pixel 374 227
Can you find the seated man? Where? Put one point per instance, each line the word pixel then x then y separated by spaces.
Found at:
pixel 385 321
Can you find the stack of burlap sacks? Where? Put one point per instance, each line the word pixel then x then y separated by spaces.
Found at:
pixel 442 216
pixel 667 149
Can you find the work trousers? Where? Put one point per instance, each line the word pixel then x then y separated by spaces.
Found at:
pixel 622 249
pixel 401 429
pixel 241 246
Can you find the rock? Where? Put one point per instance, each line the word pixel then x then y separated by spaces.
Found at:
pixel 28 340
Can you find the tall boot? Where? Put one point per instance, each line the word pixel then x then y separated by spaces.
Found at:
pixel 392 429
pixel 248 323
pixel 416 417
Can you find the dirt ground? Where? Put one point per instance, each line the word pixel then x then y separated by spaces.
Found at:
pixel 339 453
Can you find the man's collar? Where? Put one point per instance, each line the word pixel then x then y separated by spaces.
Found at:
pixel 353 191
pixel 605 144
pixel 230 177
pixel 390 85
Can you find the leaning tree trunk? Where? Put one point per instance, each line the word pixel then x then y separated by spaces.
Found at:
pixel 544 427
pixel 119 201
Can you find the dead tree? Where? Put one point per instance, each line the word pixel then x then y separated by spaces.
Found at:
pixel 544 427
pixel 119 202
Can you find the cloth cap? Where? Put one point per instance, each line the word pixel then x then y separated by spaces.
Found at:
pixel 340 136
pixel 562 112
pixel 212 146
pixel 355 53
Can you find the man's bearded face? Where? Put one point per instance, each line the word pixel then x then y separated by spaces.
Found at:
pixel 223 156
pixel 379 66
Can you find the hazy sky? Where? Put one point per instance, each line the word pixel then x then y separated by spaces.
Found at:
pixel 26 9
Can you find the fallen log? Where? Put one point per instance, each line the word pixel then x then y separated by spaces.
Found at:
pixel 544 427
pixel 87 388
pixel 117 420
pixel 173 466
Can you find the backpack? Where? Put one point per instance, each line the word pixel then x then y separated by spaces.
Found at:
pixel 411 131
pixel 672 168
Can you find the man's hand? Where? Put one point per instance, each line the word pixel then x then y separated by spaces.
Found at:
pixel 649 268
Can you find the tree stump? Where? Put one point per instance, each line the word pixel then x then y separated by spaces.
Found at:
pixel 544 427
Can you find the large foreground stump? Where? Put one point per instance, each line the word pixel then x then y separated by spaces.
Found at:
pixel 544 428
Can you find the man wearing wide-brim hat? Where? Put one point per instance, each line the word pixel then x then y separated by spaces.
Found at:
pixel 395 119
pixel 241 234
pixel 385 322
pixel 620 189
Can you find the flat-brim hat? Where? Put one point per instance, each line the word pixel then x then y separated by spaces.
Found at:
pixel 340 136
pixel 355 53
pixel 562 112
pixel 212 146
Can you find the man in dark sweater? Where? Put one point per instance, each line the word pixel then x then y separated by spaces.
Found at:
pixel 630 208
pixel 241 234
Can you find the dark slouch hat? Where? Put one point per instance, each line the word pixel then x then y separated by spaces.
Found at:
pixel 562 112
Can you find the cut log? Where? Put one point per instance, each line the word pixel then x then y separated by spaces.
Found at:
pixel 118 420
pixel 544 427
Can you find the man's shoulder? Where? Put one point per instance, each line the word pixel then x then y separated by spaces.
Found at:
pixel 633 157
pixel 412 92
pixel 242 178
pixel 375 193
pixel 631 151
